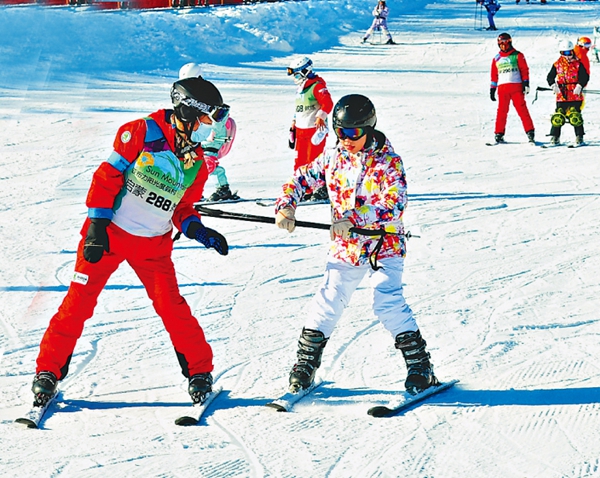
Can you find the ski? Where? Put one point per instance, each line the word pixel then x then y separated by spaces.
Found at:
pixel 409 400
pixel 568 145
pixel 512 142
pixel 197 410
pixel 286 402
pixel 499 143
pixel 34 416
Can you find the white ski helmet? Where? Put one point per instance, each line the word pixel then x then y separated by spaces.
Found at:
pixel 300 68
pixel 565 45
pixel 190 70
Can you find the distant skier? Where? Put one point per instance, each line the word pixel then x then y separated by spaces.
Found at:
pixel 309 126
pixel 596 44
pixel 366 182
pixel 380 12
pixel 510 78
pixel 217 145
pixel 581 51
pixel 568 78
pixel 492 7
pixel 147 185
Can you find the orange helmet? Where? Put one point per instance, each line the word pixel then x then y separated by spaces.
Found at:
pixel 584 42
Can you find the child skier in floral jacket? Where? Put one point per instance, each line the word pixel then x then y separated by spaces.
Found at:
pixel 366 184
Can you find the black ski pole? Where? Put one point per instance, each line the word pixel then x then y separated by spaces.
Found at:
pixel 539 88
pixel 381 233
pixel 271 220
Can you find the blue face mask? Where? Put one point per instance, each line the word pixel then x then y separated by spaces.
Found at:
pixel 202 133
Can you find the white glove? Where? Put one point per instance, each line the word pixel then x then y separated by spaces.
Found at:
pixel 286 219
pixel 526 90
pixel 578 89
pixel 555 88
pixel 341 228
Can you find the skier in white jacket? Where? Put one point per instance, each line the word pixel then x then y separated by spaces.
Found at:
pixel 380 12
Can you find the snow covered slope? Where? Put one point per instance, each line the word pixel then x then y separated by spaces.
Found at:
pixel 504 278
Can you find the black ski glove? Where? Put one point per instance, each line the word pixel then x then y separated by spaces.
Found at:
pixel 493 94
pixel 96 240
pixel 209 238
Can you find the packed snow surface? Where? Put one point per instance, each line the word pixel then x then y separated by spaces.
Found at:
pixel 503 278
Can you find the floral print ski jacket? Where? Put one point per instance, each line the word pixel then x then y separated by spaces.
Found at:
pixel 368 188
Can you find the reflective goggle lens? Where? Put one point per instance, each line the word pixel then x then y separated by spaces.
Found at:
pixel 219 113
pixel 566 53
pixel 351 133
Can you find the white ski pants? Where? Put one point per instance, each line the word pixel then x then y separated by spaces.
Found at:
pixel 340 282
pixel 378 23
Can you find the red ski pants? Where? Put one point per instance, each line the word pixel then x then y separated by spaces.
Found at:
pixel 306 152
pixel 507 93
pixel 150 258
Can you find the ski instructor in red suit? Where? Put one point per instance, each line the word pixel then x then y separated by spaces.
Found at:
pixel 148 184
pixel 510 78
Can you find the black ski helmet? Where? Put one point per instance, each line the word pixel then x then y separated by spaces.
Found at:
pixel 504 36
pixel 354 111
pixel 194 97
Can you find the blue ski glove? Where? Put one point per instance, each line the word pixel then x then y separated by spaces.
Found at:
pixel 96 240
pixel 209 238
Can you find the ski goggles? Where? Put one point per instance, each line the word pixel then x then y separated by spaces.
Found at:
pixel 190 110
pixel 585 42
pixel 566 52
pixel 350 133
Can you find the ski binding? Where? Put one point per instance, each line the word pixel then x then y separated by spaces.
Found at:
pixel 286 402
pixel 197 410
pixel 34 415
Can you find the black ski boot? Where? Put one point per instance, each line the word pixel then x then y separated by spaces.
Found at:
pixel 531 136
pixel 43 388
pixel 200 385
pixel 420 370
pixel 310 350
pixel 223 193
pixel 499 137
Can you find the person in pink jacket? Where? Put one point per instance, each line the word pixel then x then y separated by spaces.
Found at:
pixel 366 183
pixel 510 79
